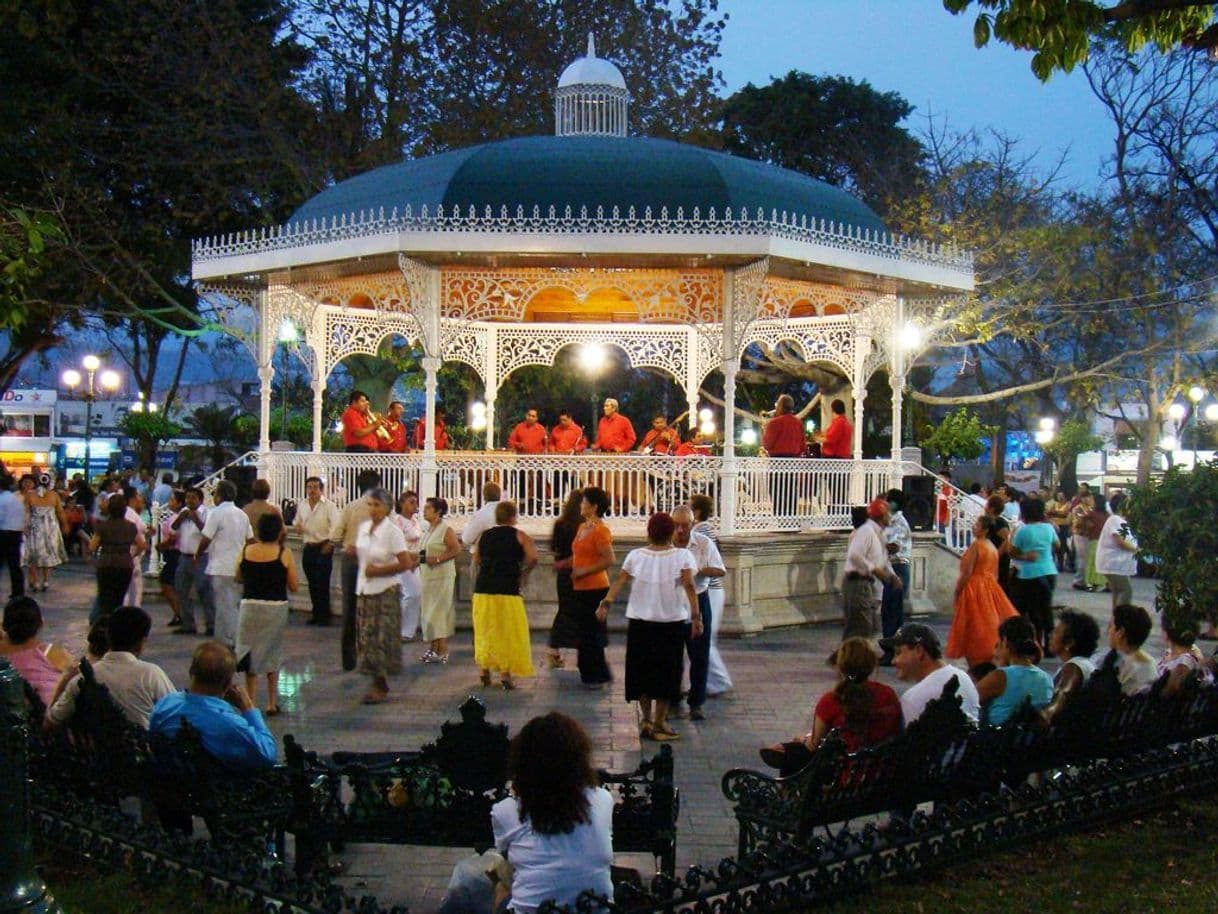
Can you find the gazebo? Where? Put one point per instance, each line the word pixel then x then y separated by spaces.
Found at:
pixel 502 254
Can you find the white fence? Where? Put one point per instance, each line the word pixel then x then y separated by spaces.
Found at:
pixel 771 494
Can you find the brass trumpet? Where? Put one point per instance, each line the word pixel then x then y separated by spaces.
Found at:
pixel 379 421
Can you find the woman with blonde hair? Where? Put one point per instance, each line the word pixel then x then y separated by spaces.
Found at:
pixel 864 712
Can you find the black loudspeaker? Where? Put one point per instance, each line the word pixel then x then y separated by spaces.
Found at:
pixel 919 510
pixel 243 478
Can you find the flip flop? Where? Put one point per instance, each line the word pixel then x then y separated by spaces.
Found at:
pixel 373 699
pixel 645 731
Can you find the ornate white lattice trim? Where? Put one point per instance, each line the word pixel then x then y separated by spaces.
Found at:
pixel 781 296
pixel 349 331
pixel 659 296
pixel 582 221
pixel 664 348
pixel 466 343
pixel 827 339
pixel 235 304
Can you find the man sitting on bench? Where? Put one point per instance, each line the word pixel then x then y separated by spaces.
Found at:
pixel 918 658
pixel 231 729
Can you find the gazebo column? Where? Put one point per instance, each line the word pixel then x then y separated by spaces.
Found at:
pixel 692 380
pixel 319 390
pixel 728 473
pixel 896 379
pixel 429 470
pixel 266 378
pixel 862 346
pixel 490 375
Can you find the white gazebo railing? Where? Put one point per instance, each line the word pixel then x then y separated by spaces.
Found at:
pixel 770 495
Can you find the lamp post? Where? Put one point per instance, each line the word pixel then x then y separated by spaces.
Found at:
pixel 108 380
pixel 1044 436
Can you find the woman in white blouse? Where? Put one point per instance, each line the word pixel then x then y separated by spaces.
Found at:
pixel 381 548
pixel 662 602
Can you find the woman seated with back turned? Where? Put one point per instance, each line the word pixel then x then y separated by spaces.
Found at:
pixel 1017 676
pixel 556 830
pixel 865 712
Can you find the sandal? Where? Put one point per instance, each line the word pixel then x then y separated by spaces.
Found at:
pixel 665 735
pixel 375 698
pixel 508 684
pixel 272 712
pixel 666 730
pixel 645 731
pixel 555 662
pixel 485 678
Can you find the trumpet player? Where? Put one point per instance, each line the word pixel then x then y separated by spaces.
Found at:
pixel 391 436
pixel 360 425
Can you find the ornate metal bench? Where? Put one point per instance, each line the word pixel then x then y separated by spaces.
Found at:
pixel 100 754
pixel 442 794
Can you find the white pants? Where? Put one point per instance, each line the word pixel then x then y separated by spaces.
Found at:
pixel 226 592
pixel 135 590
pixel 412 600
pixel 717 678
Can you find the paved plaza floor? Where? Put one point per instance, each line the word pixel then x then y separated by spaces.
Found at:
pixel 778 677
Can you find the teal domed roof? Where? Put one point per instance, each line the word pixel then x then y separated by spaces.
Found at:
pixel 589 172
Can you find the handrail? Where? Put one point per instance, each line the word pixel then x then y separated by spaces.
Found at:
pixel 208 483
pixel 962 511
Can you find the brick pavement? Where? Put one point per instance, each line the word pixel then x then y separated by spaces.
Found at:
pixel 778 676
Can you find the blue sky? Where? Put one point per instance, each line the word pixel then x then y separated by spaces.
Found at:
pixel 918 49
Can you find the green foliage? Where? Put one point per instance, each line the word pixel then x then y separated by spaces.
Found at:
pixel 149 430
pixel 1074 437
pixel 1173 519
pixel 959 436
pixel 219 426
pixel 1062 32
pixel 23 252
pixel 830 127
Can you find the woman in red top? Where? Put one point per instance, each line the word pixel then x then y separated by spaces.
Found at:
pixel 864 712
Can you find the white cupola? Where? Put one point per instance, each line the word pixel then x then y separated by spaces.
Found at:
pixel 591 99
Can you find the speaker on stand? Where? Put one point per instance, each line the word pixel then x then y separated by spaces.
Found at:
pixel 919 510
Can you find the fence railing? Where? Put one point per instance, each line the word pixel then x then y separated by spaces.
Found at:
pixel 771 493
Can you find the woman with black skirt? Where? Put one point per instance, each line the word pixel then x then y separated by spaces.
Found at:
pixel 662 603
pixel 591 557
pixel 565 630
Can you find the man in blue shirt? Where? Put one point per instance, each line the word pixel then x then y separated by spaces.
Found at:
pixel 231 728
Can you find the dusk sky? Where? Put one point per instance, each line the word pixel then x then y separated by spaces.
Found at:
pixel 918 49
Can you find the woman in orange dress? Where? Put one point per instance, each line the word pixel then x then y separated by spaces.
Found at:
pixel 981 606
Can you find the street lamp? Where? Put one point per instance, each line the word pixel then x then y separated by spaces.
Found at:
pixel 108 380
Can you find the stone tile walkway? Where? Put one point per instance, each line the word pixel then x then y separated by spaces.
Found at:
pixel 778 676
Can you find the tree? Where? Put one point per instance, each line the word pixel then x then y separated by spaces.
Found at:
pixel 219 426
pixel 1074 437
pixel 414 77
pixel 959 436
pixel 1063 32
pixel 829 127
pixel 149 429
pixel 1173 521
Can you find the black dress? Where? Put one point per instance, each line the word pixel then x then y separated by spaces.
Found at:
pixel 565 630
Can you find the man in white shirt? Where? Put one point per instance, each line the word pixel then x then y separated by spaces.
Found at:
pixel 867 570
pixel 225 534
pixel 710 565
pixel 135 514
pixel 1116 553
pixel 12 529
pixel 918 658
pixel 484 518
pixel 134 684
pixel 315 520
pixel 191 577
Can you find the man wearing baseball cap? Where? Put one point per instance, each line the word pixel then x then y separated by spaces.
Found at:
pixel 918 658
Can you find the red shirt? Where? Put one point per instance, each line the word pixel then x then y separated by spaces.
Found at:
pixel 420 434
pixel 353 419
pixel 528 439
pixel 396 443
pixel 883 720
pixel 839 439
pixel 569 440
pixel 784 436
pixel 615 433
pixel 661 442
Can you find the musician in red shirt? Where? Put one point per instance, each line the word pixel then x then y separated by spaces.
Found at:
pixel 614 433
pixel 784 437
pixel 838 440
pixel 420 432
pixel 529 436
pixel 661 439
pixel 394 439
pixel 567 437
pixel 359 428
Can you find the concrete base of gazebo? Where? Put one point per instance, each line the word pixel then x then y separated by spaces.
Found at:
pixel 772 581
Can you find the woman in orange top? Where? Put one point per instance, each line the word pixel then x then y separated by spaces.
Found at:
pixel 981 605
pixel 591 557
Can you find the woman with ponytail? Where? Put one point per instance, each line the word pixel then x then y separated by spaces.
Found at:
pixel 1018 678
pixel 863 712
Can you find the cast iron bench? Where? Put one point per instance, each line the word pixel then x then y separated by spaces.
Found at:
pixel 102 755
pixel 442 794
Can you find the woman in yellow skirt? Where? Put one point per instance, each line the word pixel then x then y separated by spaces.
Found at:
pixel 504 557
